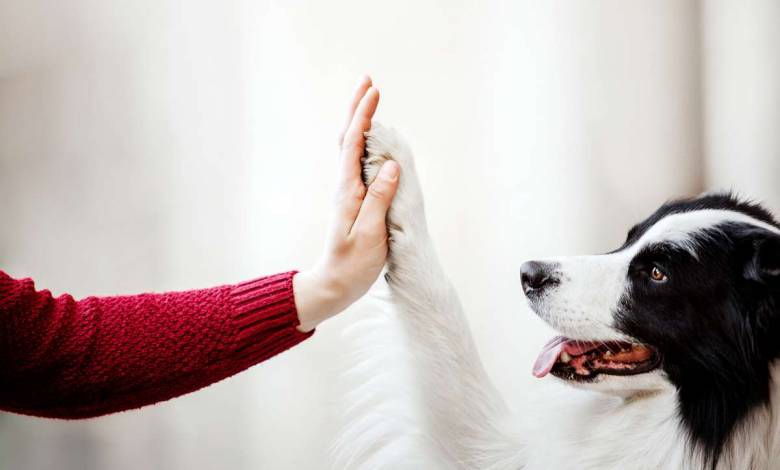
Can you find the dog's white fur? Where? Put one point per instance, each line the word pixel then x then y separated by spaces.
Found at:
pixel 426 402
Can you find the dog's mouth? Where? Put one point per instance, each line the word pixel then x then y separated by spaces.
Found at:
pixel 583 361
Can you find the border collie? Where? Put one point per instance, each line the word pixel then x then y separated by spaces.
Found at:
pixel 667 349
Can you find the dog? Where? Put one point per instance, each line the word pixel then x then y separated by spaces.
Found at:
pixel 667 349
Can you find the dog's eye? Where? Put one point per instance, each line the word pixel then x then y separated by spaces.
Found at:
pixel 657 275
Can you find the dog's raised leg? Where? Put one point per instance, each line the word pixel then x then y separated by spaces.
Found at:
pixel 463 411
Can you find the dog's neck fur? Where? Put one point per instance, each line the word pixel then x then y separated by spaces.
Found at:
pixel 715 412
pixel 592 430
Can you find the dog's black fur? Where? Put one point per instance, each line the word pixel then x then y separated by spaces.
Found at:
pixel 715 320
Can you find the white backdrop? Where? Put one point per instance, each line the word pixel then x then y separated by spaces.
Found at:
pixel 158 145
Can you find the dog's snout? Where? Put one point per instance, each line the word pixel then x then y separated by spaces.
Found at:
pixel 535 276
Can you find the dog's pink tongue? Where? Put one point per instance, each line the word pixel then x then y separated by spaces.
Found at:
pixel 550 352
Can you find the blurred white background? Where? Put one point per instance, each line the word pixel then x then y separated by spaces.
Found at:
pixel 164 145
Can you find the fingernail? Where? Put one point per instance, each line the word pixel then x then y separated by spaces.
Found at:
pixel 389 171
pixel 361 80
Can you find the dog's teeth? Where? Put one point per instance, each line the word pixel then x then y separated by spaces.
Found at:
pixel 608 354
pixel 565 357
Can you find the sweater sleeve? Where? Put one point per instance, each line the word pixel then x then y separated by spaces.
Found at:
pixel 67 358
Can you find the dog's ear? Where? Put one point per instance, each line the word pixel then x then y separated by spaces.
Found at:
pixel 763 257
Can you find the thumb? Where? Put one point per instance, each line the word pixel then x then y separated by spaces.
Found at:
pixel 371 218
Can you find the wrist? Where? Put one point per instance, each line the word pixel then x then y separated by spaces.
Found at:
pixel 317 298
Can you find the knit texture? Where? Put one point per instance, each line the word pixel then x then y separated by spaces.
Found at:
pixel 67 358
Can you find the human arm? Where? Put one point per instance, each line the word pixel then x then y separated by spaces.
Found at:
pixel 67 358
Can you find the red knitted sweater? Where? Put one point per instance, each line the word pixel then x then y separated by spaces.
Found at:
pixel 67 358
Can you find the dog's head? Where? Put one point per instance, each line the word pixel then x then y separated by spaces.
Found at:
pixel 689 303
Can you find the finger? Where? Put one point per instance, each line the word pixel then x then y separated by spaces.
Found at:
pixel 371 219
pixel 363 84
pixel 354 141
pixel 351 187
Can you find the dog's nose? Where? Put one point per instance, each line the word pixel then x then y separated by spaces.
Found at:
pixel 535 276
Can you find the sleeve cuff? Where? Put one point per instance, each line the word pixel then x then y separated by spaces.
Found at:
pixel 265 318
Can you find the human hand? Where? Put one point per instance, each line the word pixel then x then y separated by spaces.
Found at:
pixel 357 243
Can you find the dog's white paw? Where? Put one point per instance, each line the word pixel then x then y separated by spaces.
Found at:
pixel 383 144
pixel 406 215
